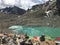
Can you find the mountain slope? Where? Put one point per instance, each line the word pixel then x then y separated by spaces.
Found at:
pixel 39 10
pixel 33 17
pixel 13 10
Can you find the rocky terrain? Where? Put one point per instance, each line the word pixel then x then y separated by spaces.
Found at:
pixel 32 17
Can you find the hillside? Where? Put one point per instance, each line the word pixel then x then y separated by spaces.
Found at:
pixel 33 17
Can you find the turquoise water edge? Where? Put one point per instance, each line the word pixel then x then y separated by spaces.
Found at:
pixel 36 31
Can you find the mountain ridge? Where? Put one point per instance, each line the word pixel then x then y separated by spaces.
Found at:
pixel 13 10
pixel 33 17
